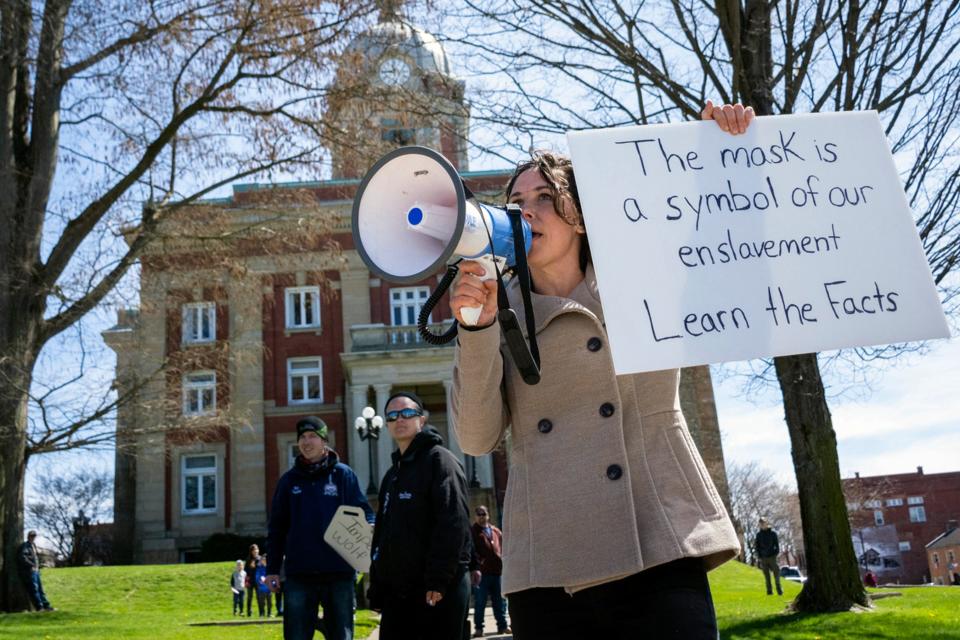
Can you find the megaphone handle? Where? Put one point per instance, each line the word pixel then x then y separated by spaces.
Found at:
pixel 471 315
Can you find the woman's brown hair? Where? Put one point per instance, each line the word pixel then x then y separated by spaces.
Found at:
pixel 557 171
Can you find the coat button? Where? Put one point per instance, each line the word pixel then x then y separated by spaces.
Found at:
pixel 614 472
pixel 594 344
pixel 606 409
pixel 544 426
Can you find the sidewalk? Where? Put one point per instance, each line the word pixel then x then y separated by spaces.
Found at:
pixel 489 627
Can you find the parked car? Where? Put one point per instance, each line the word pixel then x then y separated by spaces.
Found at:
pixel 793 574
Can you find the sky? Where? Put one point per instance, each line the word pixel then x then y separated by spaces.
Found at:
pixel 909 417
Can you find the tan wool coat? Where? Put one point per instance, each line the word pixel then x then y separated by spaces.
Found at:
pixel 605 480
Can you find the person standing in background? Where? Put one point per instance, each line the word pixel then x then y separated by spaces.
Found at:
pixel 238 581
pixel 305 501
pixel 29 561
pixel 421 547
pixel 488 542
pixel 250 567
pixel 768 548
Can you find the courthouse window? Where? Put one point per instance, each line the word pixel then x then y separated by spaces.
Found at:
pixel 199 322
pixel 303 307
pixel 199 393
pixel 405 304
pixel 199 482
pixel 304 380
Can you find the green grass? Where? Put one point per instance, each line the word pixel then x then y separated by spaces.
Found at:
pixel 160 603
pixel 156 602
pixel 745 611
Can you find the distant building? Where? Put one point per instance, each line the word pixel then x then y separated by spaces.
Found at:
pixel 917 506
pixel 878 550
pixel 943 556
pixel 300 329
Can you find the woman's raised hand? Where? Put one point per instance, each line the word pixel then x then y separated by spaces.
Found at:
pixel 732 118
pixel 470 291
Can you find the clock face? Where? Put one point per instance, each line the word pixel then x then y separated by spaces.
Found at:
pixel 394 71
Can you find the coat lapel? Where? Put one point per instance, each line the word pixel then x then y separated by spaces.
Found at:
pixel 585 299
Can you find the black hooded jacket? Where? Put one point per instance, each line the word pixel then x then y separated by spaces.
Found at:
pixel 768 545
pixel 421 540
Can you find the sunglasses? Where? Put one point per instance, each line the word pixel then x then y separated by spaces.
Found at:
pixel 481 513
pixel 405 413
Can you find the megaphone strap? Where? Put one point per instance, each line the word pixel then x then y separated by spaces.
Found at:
pixel 531 370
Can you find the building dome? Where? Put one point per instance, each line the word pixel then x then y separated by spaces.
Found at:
pixel 391 37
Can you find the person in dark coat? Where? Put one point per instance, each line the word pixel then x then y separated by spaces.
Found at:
pixel 421 540
pixel 488 542
pixel 250 567
pixel 29 566
pixel 768 548
pixel 305 501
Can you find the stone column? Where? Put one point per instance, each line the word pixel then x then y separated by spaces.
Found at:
pixel 355 301
pixel 385 446
pixel 359 458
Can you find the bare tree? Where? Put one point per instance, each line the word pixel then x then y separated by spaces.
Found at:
pixel 755 494
pixel 60 500
pixel 551 65
pixel 114 115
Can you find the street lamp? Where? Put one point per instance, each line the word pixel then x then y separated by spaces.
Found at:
pixel 368 425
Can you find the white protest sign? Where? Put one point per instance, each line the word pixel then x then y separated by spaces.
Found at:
pixel 350 535
pixel 795 237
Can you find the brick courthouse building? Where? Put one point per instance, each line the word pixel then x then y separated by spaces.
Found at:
pixel 295 328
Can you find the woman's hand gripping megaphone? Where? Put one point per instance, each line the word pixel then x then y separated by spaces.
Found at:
pixel 475 287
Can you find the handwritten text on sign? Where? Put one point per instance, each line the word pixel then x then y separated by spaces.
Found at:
pixel 795 237
pixel 350 535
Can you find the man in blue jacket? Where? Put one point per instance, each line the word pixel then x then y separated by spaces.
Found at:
pixel 304 503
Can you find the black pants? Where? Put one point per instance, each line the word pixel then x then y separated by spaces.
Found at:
pixel 669 601
pixel 412 619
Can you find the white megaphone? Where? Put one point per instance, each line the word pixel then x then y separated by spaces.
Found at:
pixel 412 214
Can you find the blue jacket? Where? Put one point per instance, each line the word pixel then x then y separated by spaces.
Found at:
pixel 261 573
pixel 306 498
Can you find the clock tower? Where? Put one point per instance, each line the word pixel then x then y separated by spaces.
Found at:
pixel 394 88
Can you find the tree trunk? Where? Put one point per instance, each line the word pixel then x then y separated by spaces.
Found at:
pixel 13 467
pixel 833 579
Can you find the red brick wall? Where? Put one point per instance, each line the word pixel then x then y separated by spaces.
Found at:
pixel 182 360
pixel 281 344
pixel 941 502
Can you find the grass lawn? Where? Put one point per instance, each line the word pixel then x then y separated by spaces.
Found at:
pixel 160 603
pixel 745 611
pixel 156 602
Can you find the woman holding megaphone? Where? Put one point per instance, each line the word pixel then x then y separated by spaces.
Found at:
pixel 611 521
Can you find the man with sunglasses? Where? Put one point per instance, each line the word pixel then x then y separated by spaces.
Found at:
pixel 421 541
